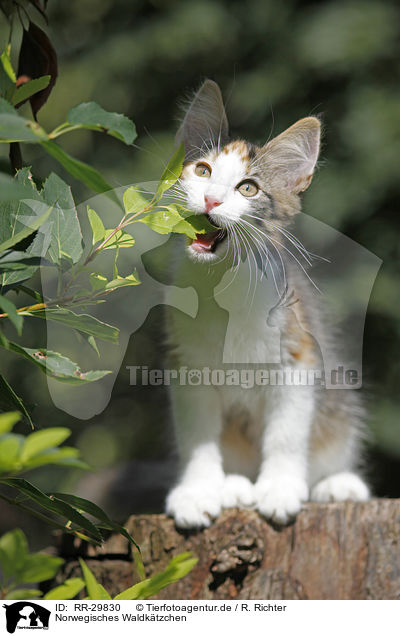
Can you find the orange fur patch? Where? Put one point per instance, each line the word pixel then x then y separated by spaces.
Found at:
pixel 240 147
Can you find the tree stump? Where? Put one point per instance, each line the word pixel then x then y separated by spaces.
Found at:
pixel 333 551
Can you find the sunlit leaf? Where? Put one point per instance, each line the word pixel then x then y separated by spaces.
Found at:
pixel 176 569
pixel 98 230
pixel 97 281
pixel 40 567
pixel 10 452
pixel 7 75
pixel 22 594
pixel 6 63
pixel 95 590
pixel 65 456
pixel 41 440
pixel 134 201
pixel 69 589
pixel 119 239
pixel 126 281
pixel 13 552
pixel 172 172
pixel 7 421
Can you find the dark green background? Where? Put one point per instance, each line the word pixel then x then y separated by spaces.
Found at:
pixel 275 62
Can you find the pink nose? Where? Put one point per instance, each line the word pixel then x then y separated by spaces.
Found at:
pixel 210 203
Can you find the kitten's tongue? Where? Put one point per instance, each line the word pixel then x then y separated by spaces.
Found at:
pixel 205 242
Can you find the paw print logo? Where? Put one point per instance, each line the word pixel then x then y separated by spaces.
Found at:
pixel 194 377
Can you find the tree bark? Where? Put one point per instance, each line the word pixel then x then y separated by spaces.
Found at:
pixel 333 551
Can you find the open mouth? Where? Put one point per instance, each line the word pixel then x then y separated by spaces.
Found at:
pixel 207 243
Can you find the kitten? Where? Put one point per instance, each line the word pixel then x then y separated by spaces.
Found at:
pixel 269 447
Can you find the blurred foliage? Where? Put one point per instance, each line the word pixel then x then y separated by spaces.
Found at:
pixel 275 62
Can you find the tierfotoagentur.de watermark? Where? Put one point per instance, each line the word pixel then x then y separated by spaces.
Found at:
pixel 244 378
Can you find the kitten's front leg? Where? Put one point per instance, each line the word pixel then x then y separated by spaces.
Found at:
pixel 197 497
pixel 281 487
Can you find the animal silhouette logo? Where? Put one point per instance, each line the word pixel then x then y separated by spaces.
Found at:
pixel 26 615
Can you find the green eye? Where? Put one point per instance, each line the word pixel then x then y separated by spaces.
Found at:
pixel 202 170
pixel 248 188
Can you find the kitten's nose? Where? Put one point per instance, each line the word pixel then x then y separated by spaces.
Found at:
pixel 210 203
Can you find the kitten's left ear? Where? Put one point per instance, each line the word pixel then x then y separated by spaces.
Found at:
pixel 290 158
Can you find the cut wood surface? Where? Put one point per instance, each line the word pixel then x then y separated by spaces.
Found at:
pixel 332 551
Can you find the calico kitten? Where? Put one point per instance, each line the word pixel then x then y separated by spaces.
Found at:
pixel 271 447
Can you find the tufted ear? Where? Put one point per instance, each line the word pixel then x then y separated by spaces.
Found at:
pixel 205 123
pixel 290 158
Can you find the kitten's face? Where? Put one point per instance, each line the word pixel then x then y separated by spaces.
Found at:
pixel 238 185
pixel 226 186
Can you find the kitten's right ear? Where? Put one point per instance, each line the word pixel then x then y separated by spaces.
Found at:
pixel 205 123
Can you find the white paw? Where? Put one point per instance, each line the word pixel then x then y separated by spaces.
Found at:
pixel 340 487
pixel 281 498
pixel 194 506
pixel 237 491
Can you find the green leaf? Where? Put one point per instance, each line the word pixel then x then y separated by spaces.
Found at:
pixel 167 220
pixel 7 420
pixel 10 451
pixel 30 88
pixel 16 260
pixel 54 505
pixel 8 398
pixel 16 128
pixel 30 292
pixel 3 341
pixel 93 344
pixel 97 281
pixel 120 281
pixel 172 172
pixel 20 215
pixel 200 223
pixel 98 230
pixel 6 107
pixel 65 456
pixel 12 189
pixel 34 224
pixel 80 170
pixel 66 235
pixel 119 239
pixel 134 201
pixel 7 75
pixel 56 366
pixel 13 552
pixel 9 308
pixel 81 322
pixel 91 115
pixel 95 590
pixel 41 440
pixel 176 569
pixel 94 510
pixel 6 63
pixel 69 589
pixel 40 567
pixel 23 594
